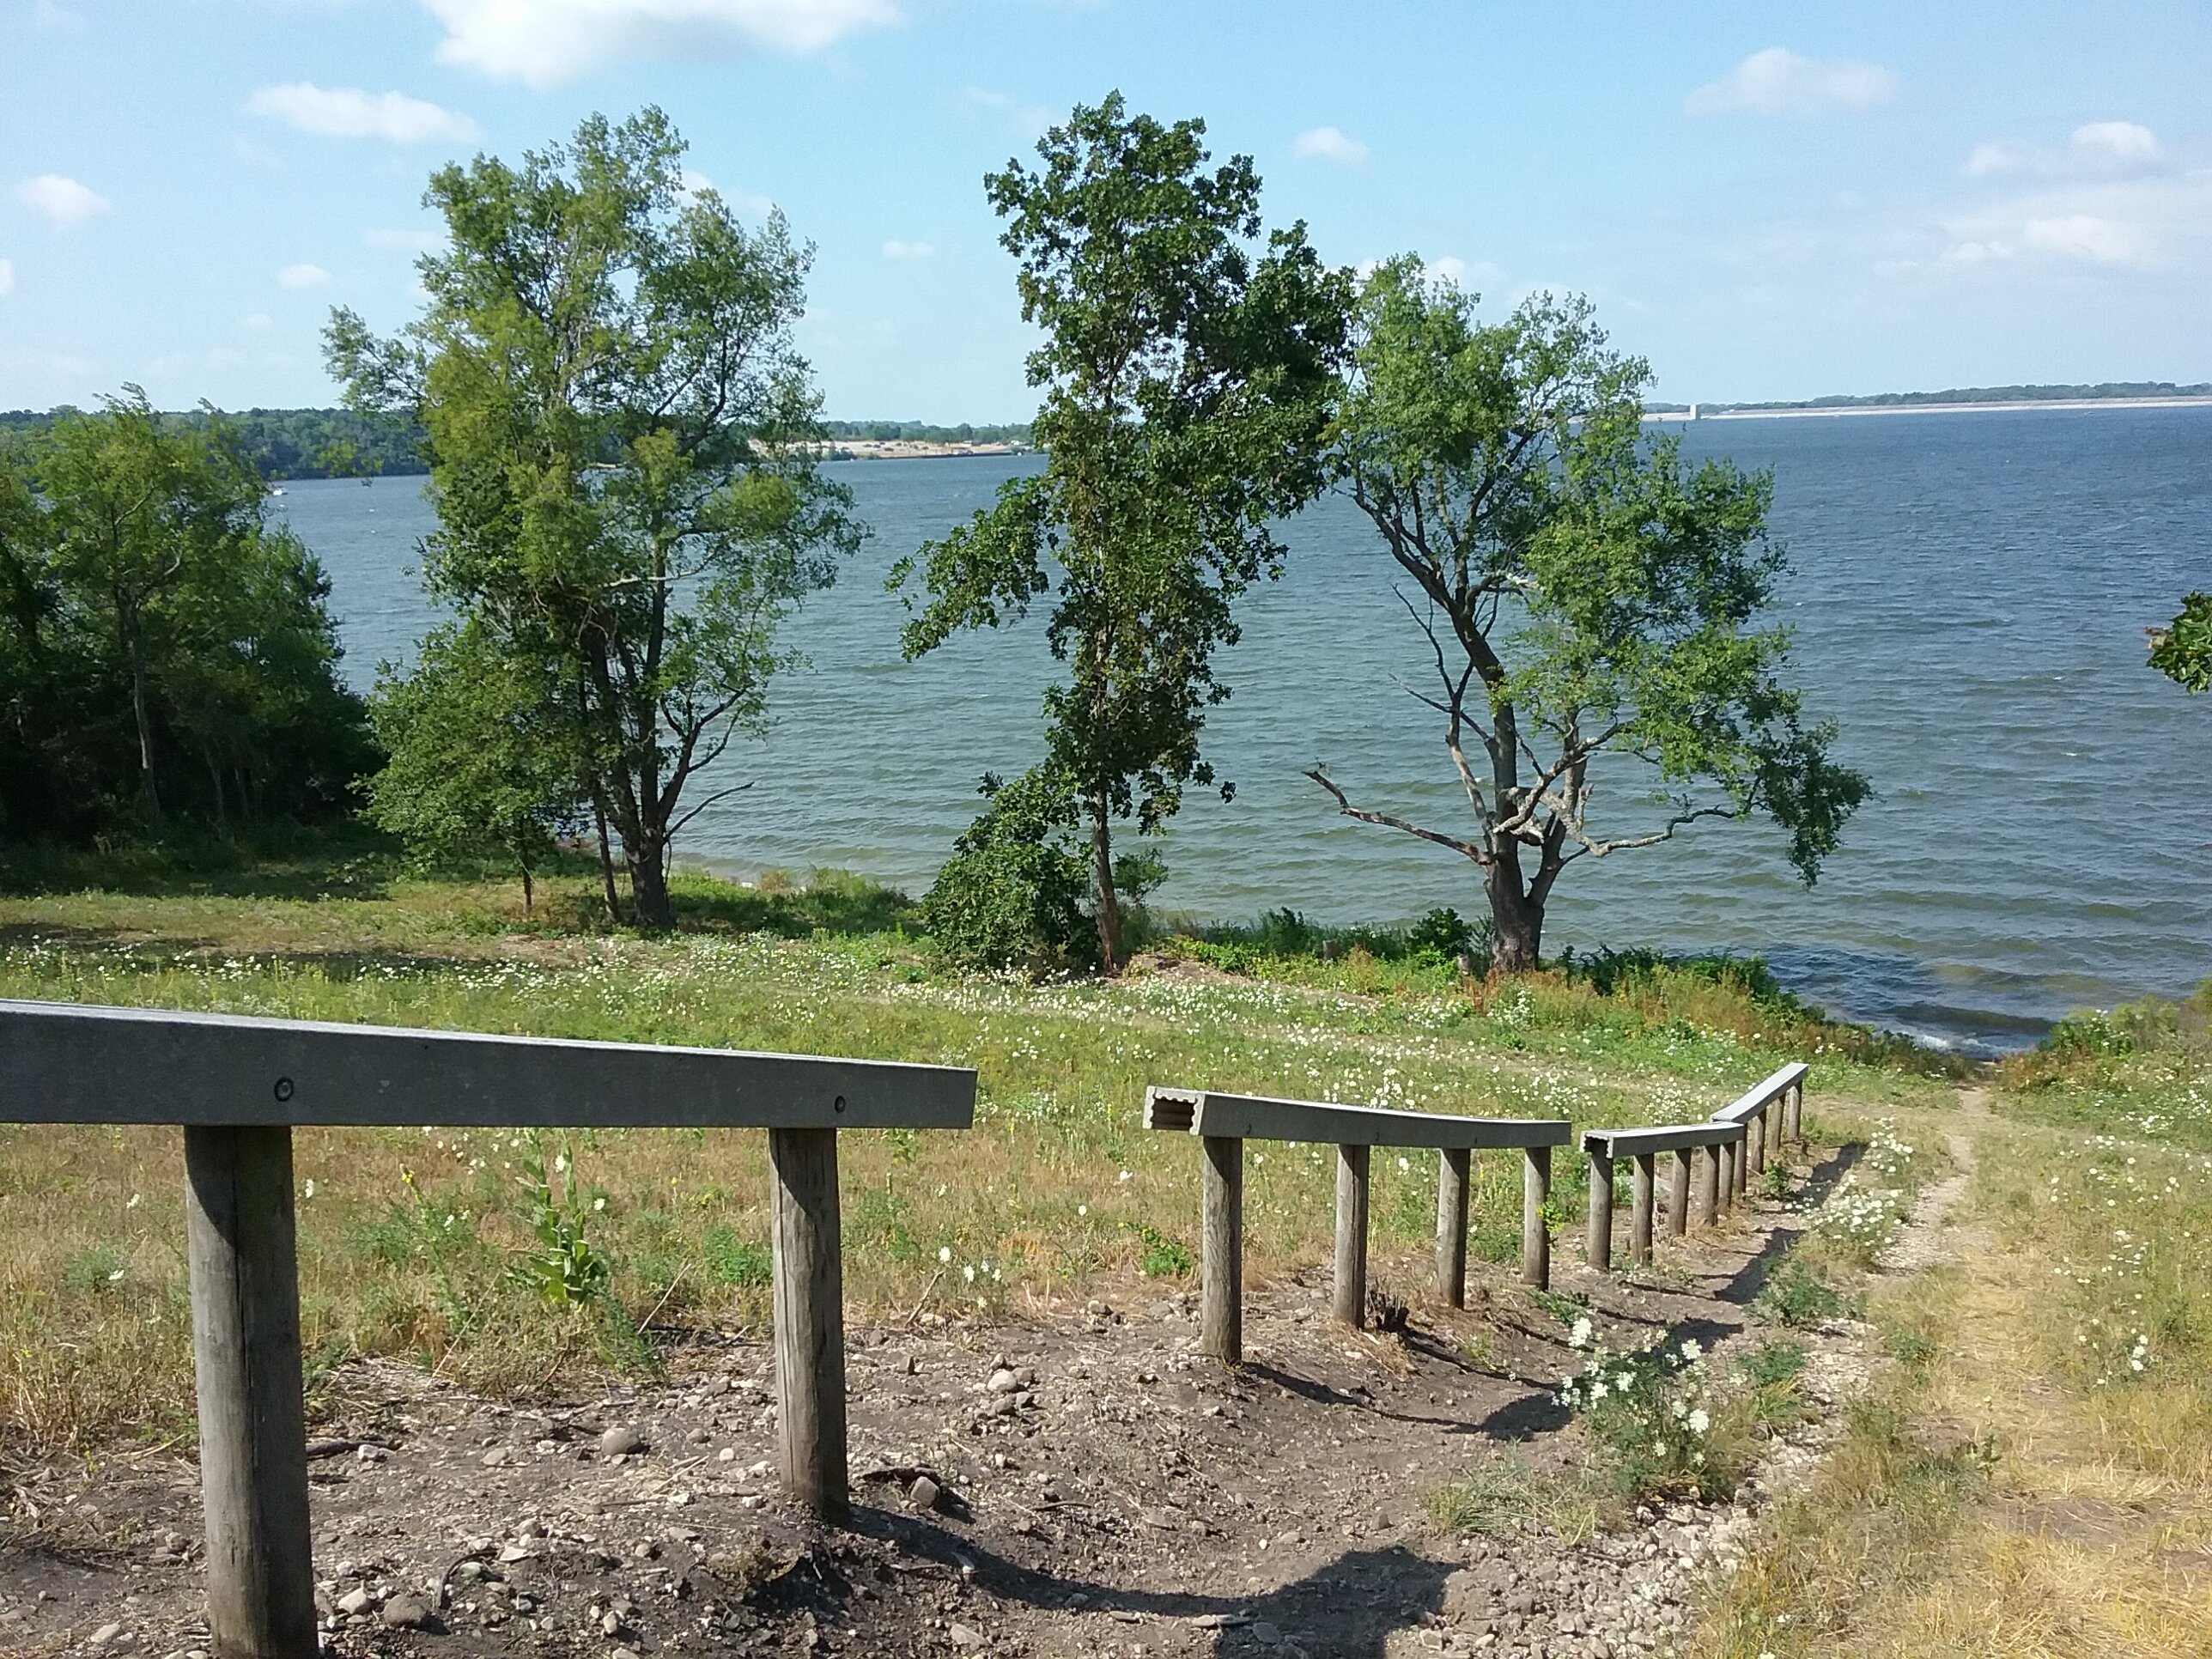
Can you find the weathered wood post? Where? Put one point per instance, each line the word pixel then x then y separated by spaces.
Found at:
pixel 1678 1192
pixel 810 1319
pixel 1726 1152
pixel 1797 1111
pixel 243 1256
pixel 1755 1129
pixel 1535 1237
pixel 1709 1185
pixel 1221 1248
pixel 1349 1306
pixel 1639 1226
pixel 1452 1166
pixel 1597 1248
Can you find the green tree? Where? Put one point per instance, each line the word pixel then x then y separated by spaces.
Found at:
pixel 1011 894
pixel 2182 651
pixel 482 763
pixel 1588 597
pixel 148 595
pixel 1186 370
pixel 621 435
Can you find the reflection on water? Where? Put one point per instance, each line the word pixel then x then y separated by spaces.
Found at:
pixel 1970 601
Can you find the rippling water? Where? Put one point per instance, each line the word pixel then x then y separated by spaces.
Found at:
pixel 1969 598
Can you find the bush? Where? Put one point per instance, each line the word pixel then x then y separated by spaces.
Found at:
pixel 1011 895
pixel 1644 1416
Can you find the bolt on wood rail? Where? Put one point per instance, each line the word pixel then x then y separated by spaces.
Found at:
pixel 1223 1123
pixel 238 1086
pixel 1713 1157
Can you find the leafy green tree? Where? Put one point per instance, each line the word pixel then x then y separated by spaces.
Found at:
pixel 481 765
pixel 1187 369
pixel 1590 599
pixel 1011 895
pixel 160 635
pixel 621 436
pixel 2182 651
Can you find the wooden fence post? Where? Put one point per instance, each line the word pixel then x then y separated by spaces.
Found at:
pixel 1678 1192
pixel 1796 1110
pixel 1535 1239
pixel 1639 1226
pixel 1598 1247
pixel 243 1253
pixel 1350 1303
pixel 1709 1185
pixel 1755 1133
pixel 1221 1248
pixel 1452 1164
pixel 810 1319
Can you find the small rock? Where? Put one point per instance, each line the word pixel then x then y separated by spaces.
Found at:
pixel 106 1634
pixel 407 1611
pixel 621 1441
pixel 922 1495
pixel 727 1455
pixel 494 1458
pixel 1003 1381
pixel 355 1600
pixel 967 1638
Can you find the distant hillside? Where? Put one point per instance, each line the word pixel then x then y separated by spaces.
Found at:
pixel 1972 394
pixel 293 443
pixel 336 443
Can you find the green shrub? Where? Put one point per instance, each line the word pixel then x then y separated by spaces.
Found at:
pixel 1012 893
pixel 734 1260
pixel 1797 1295
pixel 1647 1425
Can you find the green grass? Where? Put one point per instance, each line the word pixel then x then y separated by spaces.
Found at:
pixel 416 1243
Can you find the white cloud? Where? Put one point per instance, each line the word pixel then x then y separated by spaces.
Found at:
pixel 1779 81
pixel 2089 236
pixel 303 276
pixel 2117 140
pixel 1330 145
pixel 349 112
pixel 544 42
pixel 65 203
pixel 1989 160
pixel 7 277
pixel 895 249
pixel 1974 253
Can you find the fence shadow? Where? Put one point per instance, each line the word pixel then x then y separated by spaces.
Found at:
pixel 1347 1607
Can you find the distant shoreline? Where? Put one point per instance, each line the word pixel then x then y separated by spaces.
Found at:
pixel 1804 411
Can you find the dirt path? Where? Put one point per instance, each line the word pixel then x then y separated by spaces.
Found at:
pixel 1084 1485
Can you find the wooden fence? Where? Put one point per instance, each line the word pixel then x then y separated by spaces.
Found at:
pixel 237 1086
pixel 1223 1123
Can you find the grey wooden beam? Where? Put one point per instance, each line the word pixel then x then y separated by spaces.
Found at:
pixel 1253 1117
pixel 69 1063
pixel 1754 1100
pixel 1657 1138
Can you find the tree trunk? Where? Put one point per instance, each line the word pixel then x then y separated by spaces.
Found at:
pixel 529 894
pixel 141 708
pixel 1517 916
pixel 1101 879
pixel 606 860
pixel 648 884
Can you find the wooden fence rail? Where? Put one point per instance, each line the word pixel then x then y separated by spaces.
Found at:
pixel 1714 1159
pixel 1223 1123
pixel 237 1086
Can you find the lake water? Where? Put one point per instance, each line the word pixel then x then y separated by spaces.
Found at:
pixel 1969 596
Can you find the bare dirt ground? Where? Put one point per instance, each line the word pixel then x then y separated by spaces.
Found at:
pixel 1082 1484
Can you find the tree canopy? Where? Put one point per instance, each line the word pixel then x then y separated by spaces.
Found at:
pixel 164 651
pixel 1186 370
pixel 1588 597
pixel 621 437
pixel 2182 650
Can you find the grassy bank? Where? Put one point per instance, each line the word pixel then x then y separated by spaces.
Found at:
pixel 2032 1473
pixel 420 1244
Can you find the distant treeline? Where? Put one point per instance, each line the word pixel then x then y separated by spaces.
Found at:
pixel 921 432
pixel 1969 394
pixel 336 443
pixel 286 443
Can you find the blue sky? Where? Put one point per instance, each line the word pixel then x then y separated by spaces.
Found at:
pixel 1764 200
